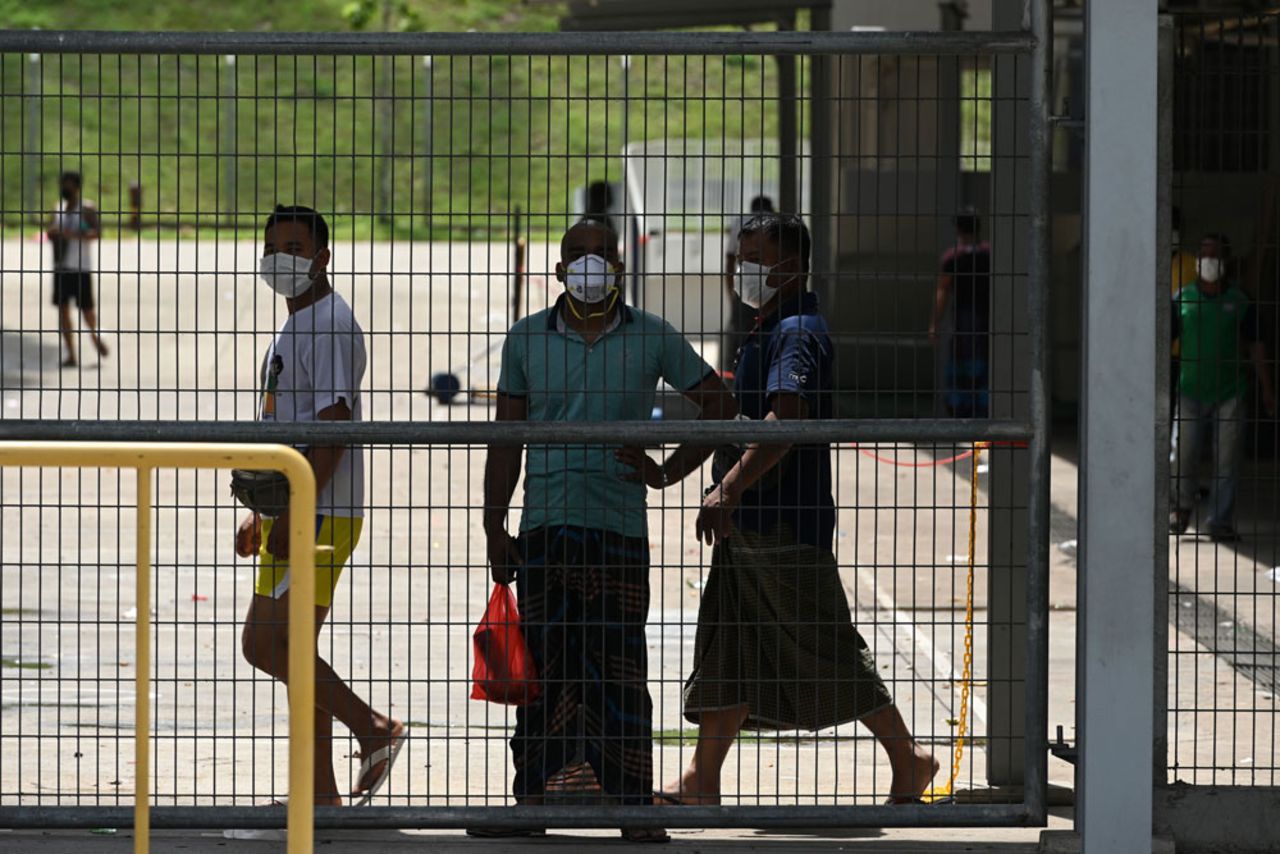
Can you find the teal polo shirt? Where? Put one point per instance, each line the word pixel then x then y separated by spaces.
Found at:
pixel 563 378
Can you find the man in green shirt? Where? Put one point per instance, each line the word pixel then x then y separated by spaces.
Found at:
pixel 581 561
pixel 1215 324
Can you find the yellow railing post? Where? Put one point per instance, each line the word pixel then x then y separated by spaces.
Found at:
pixel 142 671
pixel 145 458
pixel 302 660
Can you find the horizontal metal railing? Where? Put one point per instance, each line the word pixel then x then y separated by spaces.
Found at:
pixel 523 432
pixel 532 44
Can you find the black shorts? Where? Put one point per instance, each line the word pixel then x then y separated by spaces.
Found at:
pixel 73 285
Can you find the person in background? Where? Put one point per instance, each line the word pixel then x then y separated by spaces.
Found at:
pixel 312 372
pixel 74 227
pixel 742 317
pixel 581 561
pixel 964 284
pixel 775 647
pixel 1182 272
pixel 1216 326
pixel 599 204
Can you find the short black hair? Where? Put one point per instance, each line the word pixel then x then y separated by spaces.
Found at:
pixel 785 229
pixel 967 220
pixel 600 222
pixel 761 204
pixel 1222 240
pixel 72 176
pixel 307 216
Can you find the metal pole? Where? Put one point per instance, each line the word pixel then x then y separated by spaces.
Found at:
pixel 31 154
pixel 428 130
pixel 1012 332
pixel 142 671
pixel 1036 673
pixel 471 433
pixel 302 655
pixel 1164 410
pixel 659 43
pixel 230 135
pixel 441 817
pixel 788 190
pixel 822 171
pixel 1118 439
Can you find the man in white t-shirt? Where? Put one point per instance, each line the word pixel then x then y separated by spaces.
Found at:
pixel 72 230
pixel 312 372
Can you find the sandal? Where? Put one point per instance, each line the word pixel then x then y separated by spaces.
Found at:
pixel 387 755
pixel 645 835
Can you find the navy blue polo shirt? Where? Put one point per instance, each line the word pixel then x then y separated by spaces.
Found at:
pixel 790 352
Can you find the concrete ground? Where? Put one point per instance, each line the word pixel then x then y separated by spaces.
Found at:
pixel 957 841
pixel 186 345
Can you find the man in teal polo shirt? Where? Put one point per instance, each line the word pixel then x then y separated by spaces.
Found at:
pixel 1215 324
pixel 581 562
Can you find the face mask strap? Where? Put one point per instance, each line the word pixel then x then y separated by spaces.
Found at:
pixel 612 299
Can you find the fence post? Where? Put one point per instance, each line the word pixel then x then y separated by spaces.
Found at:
pixel 142 669
pixel 1118 442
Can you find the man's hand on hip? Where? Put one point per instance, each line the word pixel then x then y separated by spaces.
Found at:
pixel 278 540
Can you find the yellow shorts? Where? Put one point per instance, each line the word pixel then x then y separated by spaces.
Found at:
pixel 338 531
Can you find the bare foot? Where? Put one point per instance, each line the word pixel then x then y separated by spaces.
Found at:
pixel 912 775
pixel 69 362
pixel 690 790
pixel 385 731
pixel 101 346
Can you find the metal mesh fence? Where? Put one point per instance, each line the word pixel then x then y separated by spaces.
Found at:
pixel 1222 568
pixel 449 181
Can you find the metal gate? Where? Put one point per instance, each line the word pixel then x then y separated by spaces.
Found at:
pixel 1216 653
pixel 448 166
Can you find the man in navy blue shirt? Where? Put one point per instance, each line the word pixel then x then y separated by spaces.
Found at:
pixel 776 648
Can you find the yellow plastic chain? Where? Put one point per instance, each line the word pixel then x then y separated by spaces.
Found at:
pixel 966 678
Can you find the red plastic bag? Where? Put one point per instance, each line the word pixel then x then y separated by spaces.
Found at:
pixel 503 671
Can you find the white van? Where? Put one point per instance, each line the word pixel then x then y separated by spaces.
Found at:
pixel 685 197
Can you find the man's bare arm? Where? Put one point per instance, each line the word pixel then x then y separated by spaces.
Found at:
pixel 502 465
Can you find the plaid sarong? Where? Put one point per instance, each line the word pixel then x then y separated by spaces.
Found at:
pixel 775 634
pixel 584 599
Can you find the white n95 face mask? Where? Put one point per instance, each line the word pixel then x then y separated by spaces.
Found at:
pixel 589 279
pixel 287 275
pixel 751 283
pixel 1210 269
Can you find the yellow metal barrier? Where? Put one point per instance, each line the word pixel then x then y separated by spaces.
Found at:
pixel 145 459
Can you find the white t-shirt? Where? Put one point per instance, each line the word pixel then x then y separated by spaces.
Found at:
pixel 317 359
pixel 79 253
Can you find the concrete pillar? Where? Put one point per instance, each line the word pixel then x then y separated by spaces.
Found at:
pixel 1114 705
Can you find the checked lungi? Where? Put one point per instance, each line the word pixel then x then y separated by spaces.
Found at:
pixel 584 599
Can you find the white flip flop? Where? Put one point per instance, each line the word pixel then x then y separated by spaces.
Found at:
pixel 389 754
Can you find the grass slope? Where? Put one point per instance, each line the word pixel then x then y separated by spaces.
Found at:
pixel 392 146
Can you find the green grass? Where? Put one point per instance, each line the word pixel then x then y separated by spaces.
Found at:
pixel 472 138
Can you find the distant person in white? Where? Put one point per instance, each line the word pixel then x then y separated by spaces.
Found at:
pixel 74 227
pixel 312 373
